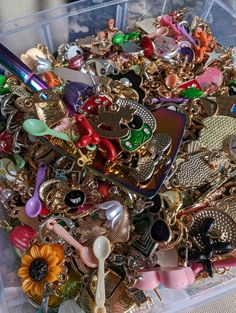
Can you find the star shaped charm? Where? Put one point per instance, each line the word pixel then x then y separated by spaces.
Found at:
pixel 212 57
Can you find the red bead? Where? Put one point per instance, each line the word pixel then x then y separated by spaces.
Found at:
pixel 83 141
pixel 44 210
pixel 20 237
pixel 95 139
pixel 83 125
pixel 148 46
pixel 107 149
pixel 104 190
pixel 76 62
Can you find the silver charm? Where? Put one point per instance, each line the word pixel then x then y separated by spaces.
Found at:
pixel 157 146
pixel 43 65
pixel 144 170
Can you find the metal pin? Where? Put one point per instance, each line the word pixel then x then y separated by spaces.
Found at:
pixel 157 294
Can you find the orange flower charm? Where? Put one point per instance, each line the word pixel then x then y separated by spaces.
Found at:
pixel 40 265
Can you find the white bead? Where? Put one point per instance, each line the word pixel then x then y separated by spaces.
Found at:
pixel 125 81
pixel 69 306
pixel 6 194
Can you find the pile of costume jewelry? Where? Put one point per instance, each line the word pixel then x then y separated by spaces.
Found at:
pixel 117 158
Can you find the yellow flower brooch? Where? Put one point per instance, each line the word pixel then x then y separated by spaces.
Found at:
pixel 40 265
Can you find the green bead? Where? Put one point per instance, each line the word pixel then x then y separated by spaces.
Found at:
pixel 118 39
pixel 2 80
pixel 136 68
pixel 91 147
pixel 132 35
pixel 191 93
pixel 20 162
pixel 232 82
pixel 4 90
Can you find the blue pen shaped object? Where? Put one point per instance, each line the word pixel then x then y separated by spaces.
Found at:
pixel 14 65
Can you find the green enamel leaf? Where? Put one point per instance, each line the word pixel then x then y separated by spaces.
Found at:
pixel 232 82
pixel 4 90
pixel 2 80
pixel 192 93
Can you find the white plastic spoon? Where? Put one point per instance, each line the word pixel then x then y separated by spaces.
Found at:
pixel 101 249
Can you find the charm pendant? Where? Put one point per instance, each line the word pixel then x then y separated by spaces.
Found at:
pixel 198 167
pixel 222 230
pixel 214 133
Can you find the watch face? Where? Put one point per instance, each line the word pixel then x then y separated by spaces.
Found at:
pixel 74 198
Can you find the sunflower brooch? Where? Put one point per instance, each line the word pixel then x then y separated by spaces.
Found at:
pixel 41 265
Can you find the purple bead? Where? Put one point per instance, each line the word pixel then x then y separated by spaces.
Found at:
pixel 169 100
pixel 187 51
pixel 75 94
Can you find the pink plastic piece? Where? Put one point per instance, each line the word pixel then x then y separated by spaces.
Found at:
pixel 20 237
pixel 231 262
pixel 197 268
pixel 167 21
pixel 212 76
pixel 170 277
pixel 177 278
pixel 86 253
pixel 161 31
pixel 149 281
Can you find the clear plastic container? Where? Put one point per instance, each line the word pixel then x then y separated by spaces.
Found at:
pixel 62 24
pixel 85 17
pixel 67 22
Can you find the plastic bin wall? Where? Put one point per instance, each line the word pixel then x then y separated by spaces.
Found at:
pixel 62 24
pixel 219 14
pixel 86 17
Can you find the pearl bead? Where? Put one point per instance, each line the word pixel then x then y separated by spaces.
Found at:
pixel 6 194
pixel 126 82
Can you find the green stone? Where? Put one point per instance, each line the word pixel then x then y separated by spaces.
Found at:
pixel 2 80
pixel 4 90
pixel 136 138
pixel 192 93
pixel 136 68
pixel 232 82
pixel 118 39
pixel 20 162
pixel 132 35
